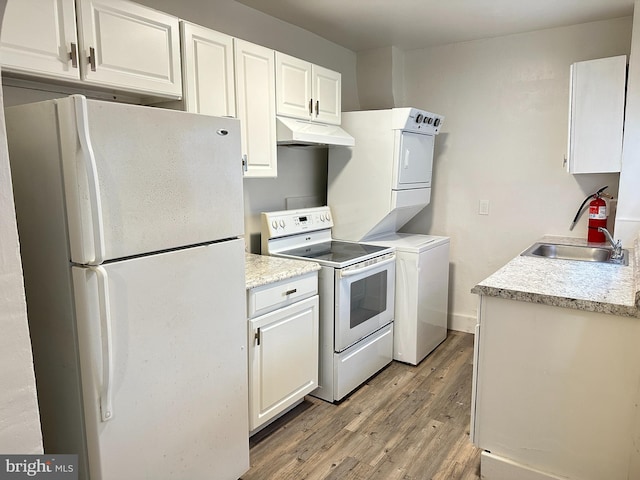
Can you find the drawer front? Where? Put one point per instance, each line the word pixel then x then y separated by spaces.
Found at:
pixel 276 295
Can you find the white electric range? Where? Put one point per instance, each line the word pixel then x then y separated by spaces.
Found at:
pixel 356 288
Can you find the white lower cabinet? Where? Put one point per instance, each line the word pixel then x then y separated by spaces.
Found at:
pixel 556 392
pixel 283 348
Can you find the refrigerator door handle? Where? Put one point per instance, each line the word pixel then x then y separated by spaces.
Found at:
pixel 92 179
pixel 106 393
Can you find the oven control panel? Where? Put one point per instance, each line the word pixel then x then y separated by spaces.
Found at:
pixel 291 222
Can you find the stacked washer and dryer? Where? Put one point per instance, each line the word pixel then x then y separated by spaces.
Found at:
pixel 375 188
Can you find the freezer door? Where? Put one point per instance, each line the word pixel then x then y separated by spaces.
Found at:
pixel 164 364
pixel 141 179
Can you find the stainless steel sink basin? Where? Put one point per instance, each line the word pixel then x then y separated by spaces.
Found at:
pixel 574 252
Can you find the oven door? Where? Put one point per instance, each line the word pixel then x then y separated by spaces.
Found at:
pixel 364 299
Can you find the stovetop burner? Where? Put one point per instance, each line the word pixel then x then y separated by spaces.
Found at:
pixel 334 251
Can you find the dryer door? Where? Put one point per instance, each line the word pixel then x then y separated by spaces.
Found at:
pixel 414 159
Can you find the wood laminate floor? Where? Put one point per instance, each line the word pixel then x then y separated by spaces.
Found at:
pixel 405 423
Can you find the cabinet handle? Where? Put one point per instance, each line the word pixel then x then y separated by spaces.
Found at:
pixel 564 162
pixel 245 165
pixel 311 106
pixel 256 336
pixel 317 107
pixel 73 55
pixel 92 58
pixel 289 292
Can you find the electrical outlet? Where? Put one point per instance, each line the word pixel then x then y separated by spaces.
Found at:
pixel 483 207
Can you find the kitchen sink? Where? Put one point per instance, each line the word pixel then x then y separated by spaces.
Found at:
pixel 574 252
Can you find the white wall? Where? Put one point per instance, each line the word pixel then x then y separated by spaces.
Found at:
pixel 628 218
pixel 19 417
pixel 504 138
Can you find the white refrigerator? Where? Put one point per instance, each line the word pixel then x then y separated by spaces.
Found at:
pixel 130 221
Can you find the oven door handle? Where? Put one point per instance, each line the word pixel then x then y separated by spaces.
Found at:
pixel 358 271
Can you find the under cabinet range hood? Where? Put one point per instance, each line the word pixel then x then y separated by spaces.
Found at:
pixel 300 132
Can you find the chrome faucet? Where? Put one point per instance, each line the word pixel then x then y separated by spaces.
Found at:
pixel 617 253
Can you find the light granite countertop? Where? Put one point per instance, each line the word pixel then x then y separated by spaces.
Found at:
pixel 262 269
pixel 596 287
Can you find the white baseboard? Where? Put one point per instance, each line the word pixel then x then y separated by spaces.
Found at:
pixel 462 323
pixel 493 467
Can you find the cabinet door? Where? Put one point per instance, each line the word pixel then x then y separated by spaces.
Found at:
pixel 207 64
pixel 129 47
pixel 327 95
pixel 293 87
pixel 283 359
pixel 38 37
pixel 255 95
pixel 596 115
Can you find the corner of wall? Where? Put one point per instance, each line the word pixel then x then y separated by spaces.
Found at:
pixel 19 415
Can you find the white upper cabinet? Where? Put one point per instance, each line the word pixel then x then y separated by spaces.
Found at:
pixel 129 46
pixel 39 38
pixel 114 44
pixel 307 91
pixel 256 107
pixel 596 115
pixel 208 73
pixel 327 91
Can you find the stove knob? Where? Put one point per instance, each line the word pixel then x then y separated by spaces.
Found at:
pixel 436 122
pixel 426 120
pixel 419 118
pixel 274 224
pixel 430 121
pixel 328 217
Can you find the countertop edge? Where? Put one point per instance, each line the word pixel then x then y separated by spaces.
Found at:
pixel 262 270
pixel 563 302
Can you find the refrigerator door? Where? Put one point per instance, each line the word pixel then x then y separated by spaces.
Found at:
pixel 141 179
pixel 162 342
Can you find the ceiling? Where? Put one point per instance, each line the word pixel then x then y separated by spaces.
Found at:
pixel 366 24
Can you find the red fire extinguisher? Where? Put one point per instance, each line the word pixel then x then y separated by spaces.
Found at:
pixel 597 218
pixel 597 215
